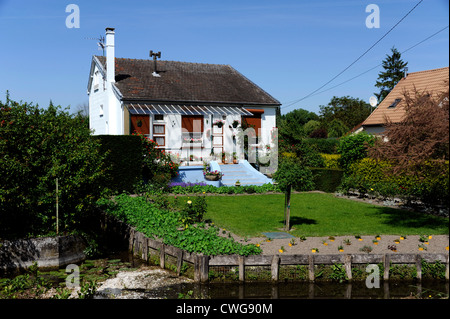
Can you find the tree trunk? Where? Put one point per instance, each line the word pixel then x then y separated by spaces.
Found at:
pixel 288 207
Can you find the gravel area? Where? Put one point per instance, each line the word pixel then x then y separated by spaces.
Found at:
pixel 410 244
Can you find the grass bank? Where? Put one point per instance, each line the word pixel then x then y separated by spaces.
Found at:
pixel 316 214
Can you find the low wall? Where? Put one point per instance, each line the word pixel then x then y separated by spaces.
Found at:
pixel 48 252
pixel 142 246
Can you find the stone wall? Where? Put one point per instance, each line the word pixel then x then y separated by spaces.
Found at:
pixel 48 252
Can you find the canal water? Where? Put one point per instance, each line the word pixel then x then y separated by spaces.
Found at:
pixel 426 289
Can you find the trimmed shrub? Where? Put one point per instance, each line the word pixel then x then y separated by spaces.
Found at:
pixel 429 183
pixel 327 180
pixel 331 160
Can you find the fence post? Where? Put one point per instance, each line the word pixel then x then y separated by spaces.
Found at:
pixel 204 268
pixel 348 266
pixel 387 265
pixel 446 269
pixel 274 267
pixel 162 259
pixel 419 266
pixel 311 267
pixel 241 269
pixel 179 261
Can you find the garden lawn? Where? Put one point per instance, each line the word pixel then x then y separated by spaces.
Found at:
pixel 317 214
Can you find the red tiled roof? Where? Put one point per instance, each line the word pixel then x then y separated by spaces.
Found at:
pixel 431 81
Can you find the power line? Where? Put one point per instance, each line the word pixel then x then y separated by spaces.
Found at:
pixel 373 45
pixel 357 76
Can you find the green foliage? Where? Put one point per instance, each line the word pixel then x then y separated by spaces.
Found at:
pixel 158 166
pixel 166 225
pixel 393 72
pixel 291 125
pixel 193 210
pixel 124 152
pixel 36 147
pixel 327 180
pixel 331 160
pixel 323 145
pixel 337 128
pixel 311 126
pixel 430 183
pixel 292 172
pixel 353 148
pixel 349 111
pixel 197 189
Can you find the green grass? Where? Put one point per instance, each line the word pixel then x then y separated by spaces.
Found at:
pixel 314 214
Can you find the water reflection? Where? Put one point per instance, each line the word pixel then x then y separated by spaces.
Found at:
pixel 295 290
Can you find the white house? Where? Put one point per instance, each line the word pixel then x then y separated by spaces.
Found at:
pixel 176 103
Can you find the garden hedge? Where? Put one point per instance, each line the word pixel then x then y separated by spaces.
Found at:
pixel 124 153
pixel 327 179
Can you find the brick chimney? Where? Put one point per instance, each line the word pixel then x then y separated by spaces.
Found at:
pixel 110 65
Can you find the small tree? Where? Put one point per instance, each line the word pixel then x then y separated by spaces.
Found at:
pixel 291 174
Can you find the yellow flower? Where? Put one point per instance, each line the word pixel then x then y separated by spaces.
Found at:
pixel 430 237
pixel 189 202
pixel 280 250
pixel 257 245
pixel 204 192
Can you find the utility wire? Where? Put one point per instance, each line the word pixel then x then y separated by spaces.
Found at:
pixel 351 64
pixel 357 76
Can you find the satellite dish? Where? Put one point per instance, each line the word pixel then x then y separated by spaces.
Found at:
pixel 373 101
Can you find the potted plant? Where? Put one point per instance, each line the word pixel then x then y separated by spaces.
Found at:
pixel 235 160
pixel 191 157
pixel 238 183
pixel 224 157
pixel 235 123
pixel 218 123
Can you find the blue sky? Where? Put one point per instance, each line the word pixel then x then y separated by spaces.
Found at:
pixel 289 48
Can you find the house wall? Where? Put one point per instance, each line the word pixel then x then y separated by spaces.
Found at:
pixel 98 104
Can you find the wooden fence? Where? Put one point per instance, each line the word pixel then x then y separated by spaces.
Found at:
pixel 142 247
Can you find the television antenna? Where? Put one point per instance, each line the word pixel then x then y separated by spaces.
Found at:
pixel 100 43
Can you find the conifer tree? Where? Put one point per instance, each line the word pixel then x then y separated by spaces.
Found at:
pixel 394 69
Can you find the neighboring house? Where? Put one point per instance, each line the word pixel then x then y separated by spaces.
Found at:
pixel 433 82
pixel 176 103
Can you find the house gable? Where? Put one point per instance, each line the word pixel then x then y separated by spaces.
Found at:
pixel 434 82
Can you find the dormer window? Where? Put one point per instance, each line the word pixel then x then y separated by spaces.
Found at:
pixel 394 104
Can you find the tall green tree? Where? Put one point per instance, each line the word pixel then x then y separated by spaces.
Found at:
pixel 348 110
pixel 291 124
pixel 394 70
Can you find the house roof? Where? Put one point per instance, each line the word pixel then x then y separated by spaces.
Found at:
pixel 431 81
pixel 185 82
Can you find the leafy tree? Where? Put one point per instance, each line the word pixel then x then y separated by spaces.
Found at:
pixel 336 128
pixel 350 111
pixel 393 72
pixel 292 174
pixel 36 147
pixel 292 124
pixel 311 126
